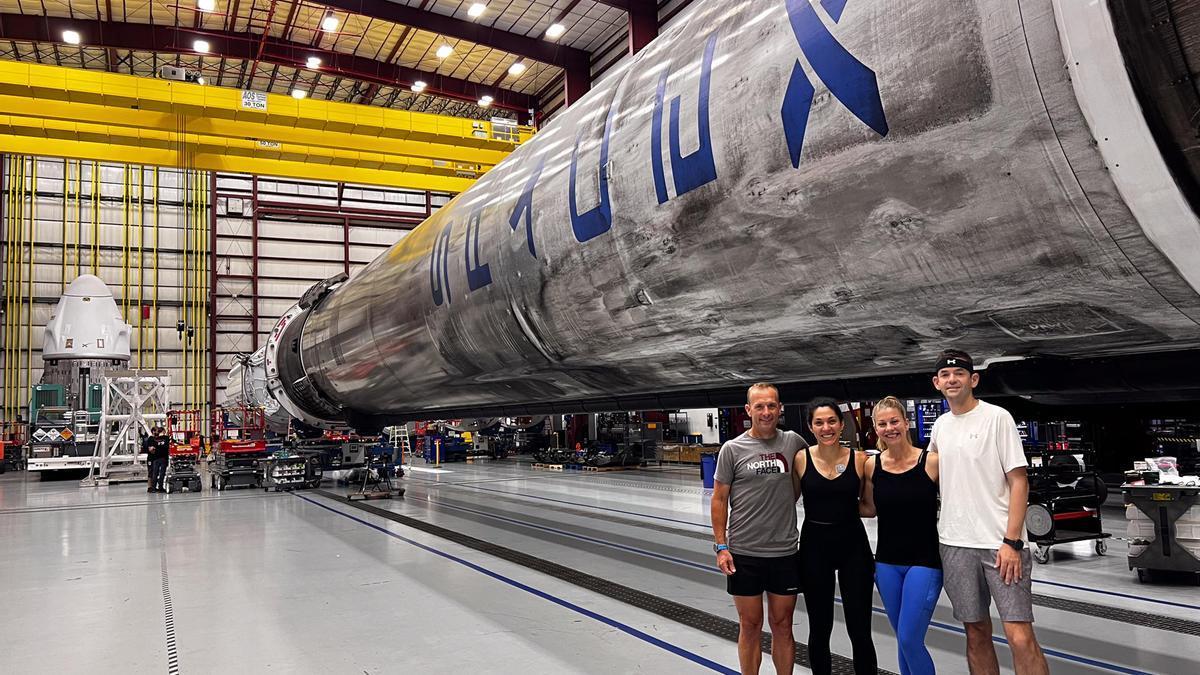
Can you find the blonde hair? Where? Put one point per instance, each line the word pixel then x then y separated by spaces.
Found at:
pixel 760 386
pixel 886 403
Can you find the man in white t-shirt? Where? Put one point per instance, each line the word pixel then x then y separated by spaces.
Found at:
pixel 985 492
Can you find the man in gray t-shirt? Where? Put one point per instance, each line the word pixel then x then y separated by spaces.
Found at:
pixel 754 524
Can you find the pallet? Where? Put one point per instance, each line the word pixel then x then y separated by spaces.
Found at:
pixel 549 467
pixel 608 468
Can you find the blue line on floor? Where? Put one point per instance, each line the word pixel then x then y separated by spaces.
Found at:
pixel 581 537
pixel 709 568
pixel 678 651
pixel 563 501
pixel 1049 652
pixel 705 525
pixel 1117 594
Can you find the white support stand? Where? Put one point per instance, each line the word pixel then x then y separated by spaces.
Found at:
pixel 133 401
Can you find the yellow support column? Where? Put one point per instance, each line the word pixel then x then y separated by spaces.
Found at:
pixel 154 337
pixel 185 237
pixel 96 218
pixel 66 188
pixel 29 276
pixel 6 176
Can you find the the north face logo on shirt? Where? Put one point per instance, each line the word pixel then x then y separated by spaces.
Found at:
pixel 769 464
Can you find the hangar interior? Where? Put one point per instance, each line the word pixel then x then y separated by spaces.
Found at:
pixel 447 308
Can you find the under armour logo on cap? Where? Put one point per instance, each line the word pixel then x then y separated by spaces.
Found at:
pixel 954 361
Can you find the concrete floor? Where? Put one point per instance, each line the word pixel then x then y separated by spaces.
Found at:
pixel 116 580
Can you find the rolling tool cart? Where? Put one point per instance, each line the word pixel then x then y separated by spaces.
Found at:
pixel 183 430
pixel 284 471
pixel 239 449
pixel 1171 539
pixel 1064 499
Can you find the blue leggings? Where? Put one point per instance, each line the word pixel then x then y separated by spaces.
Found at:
pixel 909 595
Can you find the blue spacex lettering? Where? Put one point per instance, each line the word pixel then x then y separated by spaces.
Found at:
pixel 698 168
pixel 439 267
pixel 525 206
pixel 478 274
pixel 597 221
pixel 852 83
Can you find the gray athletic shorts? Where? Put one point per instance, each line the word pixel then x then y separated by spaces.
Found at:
pixel 972 581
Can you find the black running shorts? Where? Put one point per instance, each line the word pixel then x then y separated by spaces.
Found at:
pixel 756 575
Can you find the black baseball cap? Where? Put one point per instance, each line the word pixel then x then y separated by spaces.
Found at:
pixel 953 358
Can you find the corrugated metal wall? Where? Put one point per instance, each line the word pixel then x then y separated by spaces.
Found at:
pixel 276 238
pixel 148 234
pixel 134 227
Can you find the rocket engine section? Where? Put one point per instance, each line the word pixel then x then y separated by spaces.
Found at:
pixel 246 384
pixel 85 337
pixel 794 190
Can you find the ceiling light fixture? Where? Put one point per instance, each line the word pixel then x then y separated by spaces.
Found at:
pixel 444 51
pixel 206 5
pixel 71 37
pixel 314 62
pixel 485 101
pixel 329 23
pixel 200 46
pixel 517 68
pixel 299 94
pixel 555 30
pixel 418 86
pixel 476 10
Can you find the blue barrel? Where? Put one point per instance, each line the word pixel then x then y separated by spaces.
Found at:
pixel 708 469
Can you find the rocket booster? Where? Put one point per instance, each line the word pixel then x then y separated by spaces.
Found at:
pixel 788 190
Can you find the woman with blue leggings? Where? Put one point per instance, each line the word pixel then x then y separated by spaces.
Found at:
pixel 901 488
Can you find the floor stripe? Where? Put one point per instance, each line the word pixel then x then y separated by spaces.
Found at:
pixel 1118 594
pixel 87 507
pixel 1050 652
pixel 169 620
pixel 562 501
pixel 674 611
pixel 1096 610
pixel 684 522
pixel 679 651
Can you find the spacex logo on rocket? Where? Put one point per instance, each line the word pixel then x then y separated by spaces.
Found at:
pixel 853 84
pixel 847 78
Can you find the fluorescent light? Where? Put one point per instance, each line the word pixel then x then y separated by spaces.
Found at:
pixel 517 68
pixel 444 51
pixel 329 23
pixel 555 30
pixel 418 86
pixel 206 5
pixel 299 94
pixel 314 62
pixel 200 46
pixel 485 101
pixel 477 9
pixel 71 37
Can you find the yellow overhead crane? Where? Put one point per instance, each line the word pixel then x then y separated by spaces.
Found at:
pixel 83 114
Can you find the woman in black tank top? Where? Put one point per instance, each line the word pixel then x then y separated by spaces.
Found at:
pixel 901 488
pixel 834 541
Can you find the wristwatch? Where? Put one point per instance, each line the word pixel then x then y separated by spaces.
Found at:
pixel 717 548
pixel 1017 544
